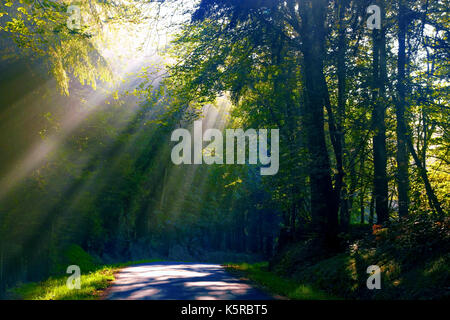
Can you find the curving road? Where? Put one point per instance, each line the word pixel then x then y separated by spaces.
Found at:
pixel 180 281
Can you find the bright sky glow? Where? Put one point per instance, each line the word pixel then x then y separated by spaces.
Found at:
pixel 128 47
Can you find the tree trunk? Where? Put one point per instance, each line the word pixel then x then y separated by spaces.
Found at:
pixel 432 199
pixel 323 198
pixel 362 192
pixel 371 210
pixel 380 185
pixel 341 188
pixel 402 152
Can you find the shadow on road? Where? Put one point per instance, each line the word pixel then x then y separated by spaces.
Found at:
pixel 180 281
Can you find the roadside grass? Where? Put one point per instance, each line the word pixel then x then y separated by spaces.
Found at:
pixel 55 288
pixel 95 282
pixel 275 284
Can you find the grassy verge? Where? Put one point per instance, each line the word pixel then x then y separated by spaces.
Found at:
pixel 289 288
pixel 54 288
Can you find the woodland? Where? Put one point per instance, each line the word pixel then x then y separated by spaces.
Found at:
pixel 87 112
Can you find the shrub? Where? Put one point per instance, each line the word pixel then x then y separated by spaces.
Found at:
pixel 407 238
pixel 75 255
pixel 412 253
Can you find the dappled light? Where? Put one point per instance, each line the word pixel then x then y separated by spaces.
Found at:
pixel 224 149
pixel 169 281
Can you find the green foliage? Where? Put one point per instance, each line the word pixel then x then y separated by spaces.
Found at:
pixel 109 185
pixel 394 249
pixel 93 283
pixel 75 255
pixel 418 235
pixel 276 284
pixel 39 31
pixel 56 289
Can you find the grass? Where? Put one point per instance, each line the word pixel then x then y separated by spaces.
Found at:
pixel 55 288
pixel 270 281
pixel 94 283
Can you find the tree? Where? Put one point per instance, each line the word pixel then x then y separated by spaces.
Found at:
pixel 324 213
pixel 380 189
pixel 402 152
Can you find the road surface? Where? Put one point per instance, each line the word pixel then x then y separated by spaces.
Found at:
pixel 180 281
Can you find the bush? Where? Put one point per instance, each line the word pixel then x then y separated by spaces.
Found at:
pixel 404 240
pixel 75 255
pixel 411 252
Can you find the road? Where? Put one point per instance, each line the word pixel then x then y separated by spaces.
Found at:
pixel 180 281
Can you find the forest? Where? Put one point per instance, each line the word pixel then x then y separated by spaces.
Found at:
pixel 92 91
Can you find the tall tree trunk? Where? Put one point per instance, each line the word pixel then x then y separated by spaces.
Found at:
pixel 352 190
pixel 380 184
pixel 402 152
pixel 362 208
pixel 341 188
pixel 432 199
pixel 362 192
pixel 323 199
pixel 371 210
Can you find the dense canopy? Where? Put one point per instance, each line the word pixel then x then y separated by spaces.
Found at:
pixel 87 115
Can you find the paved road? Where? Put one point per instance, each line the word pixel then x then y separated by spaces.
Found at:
pixel 180 281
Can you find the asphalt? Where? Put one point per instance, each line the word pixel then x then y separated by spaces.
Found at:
pixel 181 281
